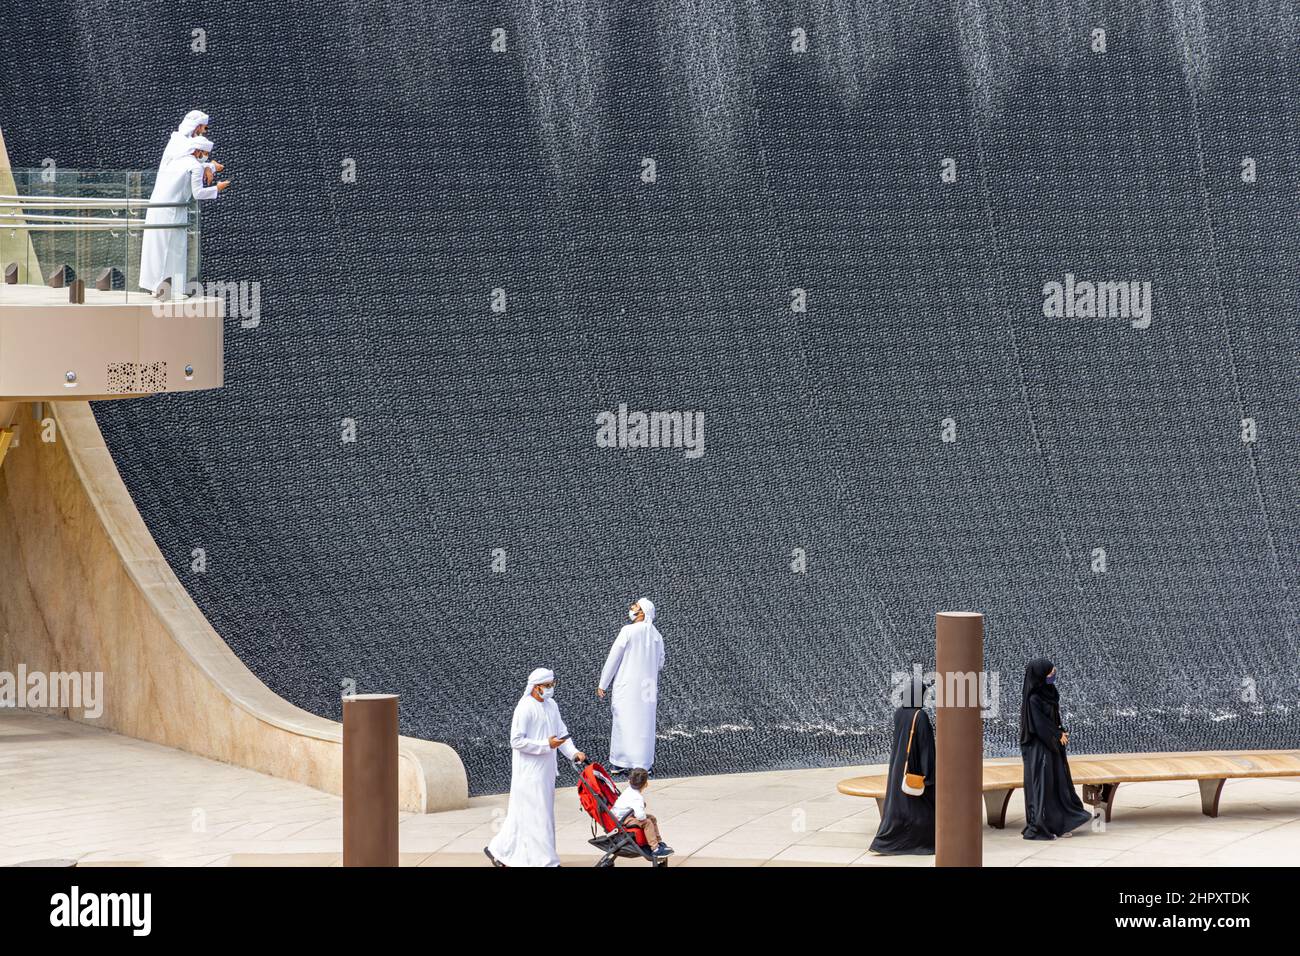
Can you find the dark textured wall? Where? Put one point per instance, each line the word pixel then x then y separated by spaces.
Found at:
pixel 370 561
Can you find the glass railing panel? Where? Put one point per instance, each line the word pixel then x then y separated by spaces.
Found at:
pixel 93 225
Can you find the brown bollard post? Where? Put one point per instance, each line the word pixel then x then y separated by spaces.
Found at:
pixel 959 739
pixel 370 780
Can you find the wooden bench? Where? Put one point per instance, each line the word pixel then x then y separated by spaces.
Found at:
pixel 1107 771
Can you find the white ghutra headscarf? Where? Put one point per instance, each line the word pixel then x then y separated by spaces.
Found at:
pixel 193 119
pixel 540 675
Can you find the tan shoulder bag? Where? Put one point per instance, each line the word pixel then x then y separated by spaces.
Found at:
pixel 913 783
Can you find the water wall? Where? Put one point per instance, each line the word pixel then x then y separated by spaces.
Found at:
pixel 952 304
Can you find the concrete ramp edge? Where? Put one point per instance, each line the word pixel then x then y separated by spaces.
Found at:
pixel 85 588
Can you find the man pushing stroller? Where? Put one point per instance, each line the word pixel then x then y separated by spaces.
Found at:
pixel 527 836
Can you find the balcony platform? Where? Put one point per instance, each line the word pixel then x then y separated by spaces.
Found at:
pixel 116 344
pixel 43 296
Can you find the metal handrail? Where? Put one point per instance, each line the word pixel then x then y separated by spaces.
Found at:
pixel 68 219
pixel 64 205
pixel 73 202
pixel 55 227
pixel 14 215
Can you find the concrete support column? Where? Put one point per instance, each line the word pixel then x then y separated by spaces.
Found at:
pixel 370 780
pixel 959 739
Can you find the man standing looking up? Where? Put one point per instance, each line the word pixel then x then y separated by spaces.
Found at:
pixel 527 837
pixel 632 667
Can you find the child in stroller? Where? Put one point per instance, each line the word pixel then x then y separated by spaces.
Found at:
pixel 597 793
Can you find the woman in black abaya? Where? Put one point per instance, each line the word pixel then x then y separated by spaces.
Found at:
pixel 907 822
pixel 1052 808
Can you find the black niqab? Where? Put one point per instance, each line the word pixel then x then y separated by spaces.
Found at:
pixel 907 822
pixel 1051 805
pixel 1036 672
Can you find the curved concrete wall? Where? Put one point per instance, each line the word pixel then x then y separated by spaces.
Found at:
pixel 83 587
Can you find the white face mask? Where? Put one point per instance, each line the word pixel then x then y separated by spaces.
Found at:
pixel 631 614
pixel 548 693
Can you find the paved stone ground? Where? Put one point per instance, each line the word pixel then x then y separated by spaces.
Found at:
pixel 69 791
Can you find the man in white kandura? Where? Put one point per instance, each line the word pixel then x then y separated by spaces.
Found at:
pixel 195 124
pixel 527 837
pixel 633 667
pixel 164 252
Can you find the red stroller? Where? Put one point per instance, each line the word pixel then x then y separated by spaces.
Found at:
pixel 597 793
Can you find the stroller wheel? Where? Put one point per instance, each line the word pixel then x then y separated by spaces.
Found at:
pixel 605 862
pixel 661 862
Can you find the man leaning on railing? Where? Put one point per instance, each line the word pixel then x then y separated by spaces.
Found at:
pixel 164 251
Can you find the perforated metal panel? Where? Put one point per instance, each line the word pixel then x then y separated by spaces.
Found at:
pixel 136 377
pixel 152 376
pixel 121 377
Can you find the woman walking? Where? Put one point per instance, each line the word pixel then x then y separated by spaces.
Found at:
pixel 1052 808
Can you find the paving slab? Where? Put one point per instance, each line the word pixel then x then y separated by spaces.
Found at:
pixel 72 791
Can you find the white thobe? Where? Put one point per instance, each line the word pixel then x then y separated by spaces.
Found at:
pixel 164 252
pixel 181 140
pixel 633 666
pixel 178 145
pixel 527 836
